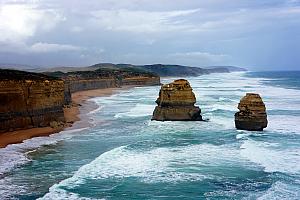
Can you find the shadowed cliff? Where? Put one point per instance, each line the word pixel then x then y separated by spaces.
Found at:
pixel 29 100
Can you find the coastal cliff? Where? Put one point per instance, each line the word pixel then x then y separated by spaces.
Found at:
pixel 32 100
pixel 90 84
pixel 29 100
pixel 252 114
pixel 155 80
pixel 176 103
pixel 103 78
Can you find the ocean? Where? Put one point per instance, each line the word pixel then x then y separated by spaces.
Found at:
pixel 125 155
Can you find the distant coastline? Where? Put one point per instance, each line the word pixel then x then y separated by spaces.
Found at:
pixel 163 70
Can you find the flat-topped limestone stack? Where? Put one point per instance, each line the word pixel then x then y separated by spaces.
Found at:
pixel 252 114
pixel 176 103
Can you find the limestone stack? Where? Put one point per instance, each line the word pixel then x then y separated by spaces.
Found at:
pixel 252 114
pixel 176 103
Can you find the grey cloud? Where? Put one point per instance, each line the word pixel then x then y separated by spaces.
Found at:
pixel 18 22
pixel 37 48
pixel 142 21
pixel 140 31
pixel 199 58
pixel 46 47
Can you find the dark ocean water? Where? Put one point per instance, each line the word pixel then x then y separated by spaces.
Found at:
pixel 286 79
pixel 125 155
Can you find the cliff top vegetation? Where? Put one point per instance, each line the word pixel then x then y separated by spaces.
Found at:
pixel 9 74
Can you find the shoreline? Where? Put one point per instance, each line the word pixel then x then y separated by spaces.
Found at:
pixel 75 116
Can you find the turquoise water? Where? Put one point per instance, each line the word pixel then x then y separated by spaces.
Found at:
pixel 124 155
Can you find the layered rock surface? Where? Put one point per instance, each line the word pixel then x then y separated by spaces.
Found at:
pixel 176 103
pixel 90 84
pixel 252 114
pixel 103 78
pixel 29 100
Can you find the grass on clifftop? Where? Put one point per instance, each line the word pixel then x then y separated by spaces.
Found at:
pixel 10 74
pixel 103 73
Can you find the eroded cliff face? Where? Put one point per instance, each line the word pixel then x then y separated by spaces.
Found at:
pixel 252 114
pixel 90 84
pixel 176 103
pixel 146 81
pixel 29 100
pixel 30 103
pixel 81 84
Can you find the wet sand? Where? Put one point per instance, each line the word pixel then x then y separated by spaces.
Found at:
pixel 74 113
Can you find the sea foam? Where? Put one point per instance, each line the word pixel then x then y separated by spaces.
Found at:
pixel 14 155
pixel 280 191
pixel 270 157
pixel 175 164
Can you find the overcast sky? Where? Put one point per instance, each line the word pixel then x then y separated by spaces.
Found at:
pixel 257 34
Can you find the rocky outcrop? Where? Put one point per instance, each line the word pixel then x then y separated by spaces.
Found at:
pixel 252 114
pixel 28 100
pixel 176 103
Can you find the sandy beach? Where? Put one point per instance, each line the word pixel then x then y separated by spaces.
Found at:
pixel 74 113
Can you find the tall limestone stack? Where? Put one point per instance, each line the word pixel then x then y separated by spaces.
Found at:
pixel 176 103
pixel 252 115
